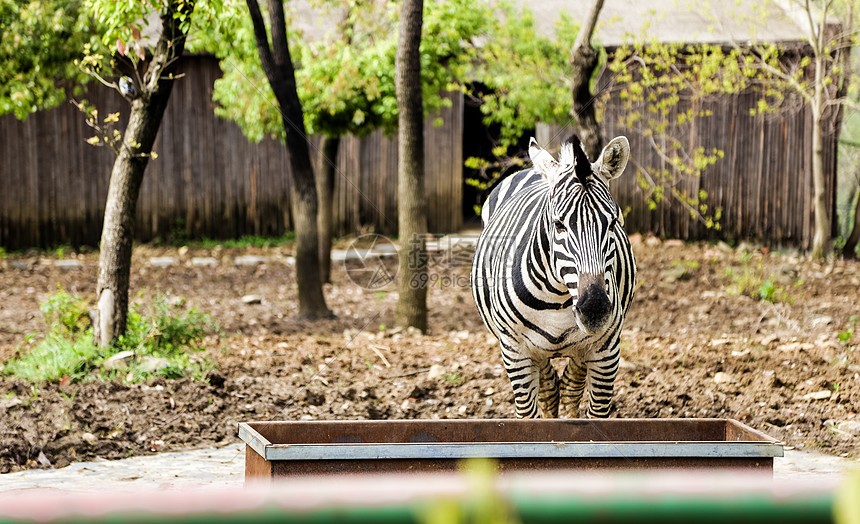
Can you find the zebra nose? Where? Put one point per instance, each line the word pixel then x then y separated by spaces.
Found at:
pixel 593 306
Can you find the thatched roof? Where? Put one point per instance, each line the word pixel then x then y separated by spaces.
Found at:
pixel 681 21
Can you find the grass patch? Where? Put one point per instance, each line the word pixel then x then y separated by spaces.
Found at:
pixel 845 336
pixel 160 330
pixel 53 358
pixel 756 283
pixel 683 269
pixel 245 241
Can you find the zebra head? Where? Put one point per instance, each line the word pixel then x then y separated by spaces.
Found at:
pixel 580 223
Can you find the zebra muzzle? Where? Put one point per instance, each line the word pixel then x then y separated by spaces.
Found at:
pixel 593 307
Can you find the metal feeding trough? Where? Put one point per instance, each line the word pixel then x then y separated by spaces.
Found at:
pixel 283 449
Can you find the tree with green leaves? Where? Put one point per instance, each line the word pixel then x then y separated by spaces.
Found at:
pixel 153 62
pixel 341 82
pixel 50 48
pixel 665 89
pixel 528 75
pixel 531 83
pixel 39 44
pixel 345 80
pixel 821 80
pixel 345 90
pixel 277 64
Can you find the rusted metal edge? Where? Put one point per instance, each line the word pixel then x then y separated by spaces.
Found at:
pixel 751 431
pixel 351 426
pixel 253 438
pixel 516 450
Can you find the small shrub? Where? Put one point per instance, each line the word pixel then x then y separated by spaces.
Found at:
pixel 163 330
pixel 767 291
pixel 65 313
pixel 159 330
pixel 845 336
pixel 756 283
pixel 683 269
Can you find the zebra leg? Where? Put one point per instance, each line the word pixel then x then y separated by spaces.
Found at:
pixel 572 387
pixel 525 377
pixel 601 381
pixel 548 390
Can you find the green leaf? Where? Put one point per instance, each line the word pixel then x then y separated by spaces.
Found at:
pixel 40 43
pixel 345 81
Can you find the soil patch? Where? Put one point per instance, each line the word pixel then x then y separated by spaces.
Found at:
pixel 699 342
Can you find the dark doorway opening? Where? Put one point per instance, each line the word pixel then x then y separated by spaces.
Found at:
pixel 479 140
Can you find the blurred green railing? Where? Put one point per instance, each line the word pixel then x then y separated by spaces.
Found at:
pixel 451 498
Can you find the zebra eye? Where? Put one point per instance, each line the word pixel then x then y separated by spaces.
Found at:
pixel 559 226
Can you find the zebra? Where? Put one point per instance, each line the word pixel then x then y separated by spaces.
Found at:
pixel 553 276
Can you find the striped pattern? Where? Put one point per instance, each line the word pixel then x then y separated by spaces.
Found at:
pixel 553 277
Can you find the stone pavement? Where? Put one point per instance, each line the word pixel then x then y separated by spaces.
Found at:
pixel 225 467
pixel 218 468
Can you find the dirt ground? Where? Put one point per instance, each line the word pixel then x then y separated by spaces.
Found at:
pixel 692 347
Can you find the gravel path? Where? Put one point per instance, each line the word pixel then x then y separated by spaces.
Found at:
pixel 225 467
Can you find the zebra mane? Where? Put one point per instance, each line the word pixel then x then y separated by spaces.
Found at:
pixel 572 153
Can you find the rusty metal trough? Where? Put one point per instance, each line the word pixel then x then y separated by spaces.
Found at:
pixel 284 449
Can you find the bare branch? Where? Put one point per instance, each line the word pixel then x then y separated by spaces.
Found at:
pixel 813 38
pixel 102 131
pixel 98 77
pixel 843 101
pixel 694 212
pixel 782 75
pixel 587 29
pixel 660 152
pixel 137 75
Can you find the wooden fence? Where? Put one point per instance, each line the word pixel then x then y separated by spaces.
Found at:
pixel 763 185
pixel 207 180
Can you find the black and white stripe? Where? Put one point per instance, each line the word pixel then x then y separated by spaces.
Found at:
pixel 553 276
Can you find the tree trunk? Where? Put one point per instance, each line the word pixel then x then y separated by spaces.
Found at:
pixel 412 279
pixel 822 244
pixel 584 60
pixel 126 177
pixel 821 241
pixel 278 66
pixel 326 168
pixel 843 87
pixel 850 249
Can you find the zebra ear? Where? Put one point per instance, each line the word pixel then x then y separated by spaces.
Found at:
pixel 543 162
pixel 613 159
